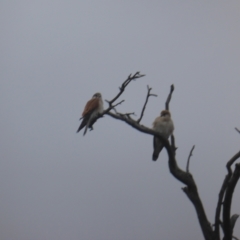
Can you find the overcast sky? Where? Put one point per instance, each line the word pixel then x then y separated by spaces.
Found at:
pixel 54 55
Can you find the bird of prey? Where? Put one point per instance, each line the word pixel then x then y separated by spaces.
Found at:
pixel 93 107
pixel 164 125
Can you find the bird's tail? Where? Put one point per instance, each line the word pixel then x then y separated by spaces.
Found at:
pixel 86 128
pixel 82 125
pixel 155 155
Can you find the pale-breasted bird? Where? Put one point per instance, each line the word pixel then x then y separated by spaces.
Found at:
pixel 164 125
pixel 91 110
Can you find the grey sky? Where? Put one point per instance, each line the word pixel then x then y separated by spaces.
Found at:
pixel 56 184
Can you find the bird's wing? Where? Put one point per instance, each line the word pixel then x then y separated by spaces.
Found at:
pixel 90 107
pixel 157 148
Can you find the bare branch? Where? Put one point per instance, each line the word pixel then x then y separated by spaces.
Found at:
pixel 228 231
pixel 122 88
pixel 184 177
pixel 192 193
pixel 113 106
pixel 174 148
pixel 169 97
pixel 231 161
pixel 195 199
pixel 222 192
pixel 219 206
pixel 188 161
pixel 124 85
pixel 237 130
pixel 110 103
pixel 235 238
pixel 144 106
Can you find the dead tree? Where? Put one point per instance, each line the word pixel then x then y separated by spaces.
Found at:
pixel 225 220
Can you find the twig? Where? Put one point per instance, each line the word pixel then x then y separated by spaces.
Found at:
pixel 188 161
pixel 231 161
pixel 122 88
pixel 124 85
pixel 144 106
pixel 169 97
pixel 113 106
pixel 237 130
pixel 233 220
pixel 129 114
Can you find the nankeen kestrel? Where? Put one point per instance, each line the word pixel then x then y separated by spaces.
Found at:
pixel 91 110
pixel 164 125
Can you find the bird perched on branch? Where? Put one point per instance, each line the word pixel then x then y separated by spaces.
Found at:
pixel 91 110
pixel 164 125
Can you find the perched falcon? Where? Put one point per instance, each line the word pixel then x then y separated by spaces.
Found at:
pixel 163 125
pixel 91 110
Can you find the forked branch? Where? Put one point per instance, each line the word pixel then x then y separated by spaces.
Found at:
pixel 121 90
pixel 124 85
pixel 227 228
pixel 221 194
pixel 145 104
